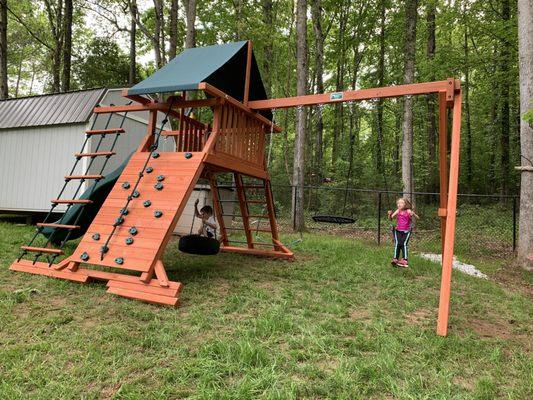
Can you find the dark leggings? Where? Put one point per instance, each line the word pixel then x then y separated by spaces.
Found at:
pixel 401 243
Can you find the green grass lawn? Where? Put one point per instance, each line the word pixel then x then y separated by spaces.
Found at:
pixel 337 323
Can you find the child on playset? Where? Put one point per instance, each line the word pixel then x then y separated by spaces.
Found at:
pixel 402 231
pixel 209 223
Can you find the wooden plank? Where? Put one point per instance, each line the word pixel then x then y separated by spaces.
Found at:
pixel 351 95
pixel 59 226
pixel 230 164
pixel 41 268
pixel 106 275
pixel 142 287
pixel 42 250
pixel 447 259
pixel 247 73
pixel 256 252
pixel 71 201
pixel 105 131
pixel 147 297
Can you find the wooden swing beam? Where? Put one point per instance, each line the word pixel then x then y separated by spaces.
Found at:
pixel 449 96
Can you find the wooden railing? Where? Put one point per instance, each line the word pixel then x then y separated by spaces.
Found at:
pixel 190 136
pixel 240 135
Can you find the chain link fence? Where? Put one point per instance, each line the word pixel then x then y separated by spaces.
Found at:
pixel 486 224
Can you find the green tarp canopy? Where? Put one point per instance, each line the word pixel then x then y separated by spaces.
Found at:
pixel 221 65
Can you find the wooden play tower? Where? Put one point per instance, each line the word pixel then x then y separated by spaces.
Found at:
pixel 137 218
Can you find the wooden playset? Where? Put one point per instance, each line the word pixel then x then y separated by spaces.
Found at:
pixel 136 221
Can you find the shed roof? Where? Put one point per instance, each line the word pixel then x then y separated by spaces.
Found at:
pixel 221 65
pixel 50 109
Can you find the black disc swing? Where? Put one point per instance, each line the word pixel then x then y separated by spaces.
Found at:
pixel 198 244
pixel 341 219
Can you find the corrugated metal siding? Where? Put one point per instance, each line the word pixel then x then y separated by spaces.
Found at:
pixel 33 163
pixel 56 109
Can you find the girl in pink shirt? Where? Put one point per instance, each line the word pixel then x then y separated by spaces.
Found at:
pixel 402 232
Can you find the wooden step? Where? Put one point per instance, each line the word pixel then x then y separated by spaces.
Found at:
pixel 143 296
pixel 105 131
pixel 87 177
pixel 60 226
pixel 71 201
pixel 41 250
pixel 96 154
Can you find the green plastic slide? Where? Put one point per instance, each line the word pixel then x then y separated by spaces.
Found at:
pixel 89 211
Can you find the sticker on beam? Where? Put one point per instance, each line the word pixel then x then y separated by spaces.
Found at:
pixel 336 96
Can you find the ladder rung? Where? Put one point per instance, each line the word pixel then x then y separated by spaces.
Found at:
pixel 105 131
pixel 97 154
pixel 71 201
pixel 253 242
pixel 61 226
pixel 41 250
pixel 84 177
pixel 252 229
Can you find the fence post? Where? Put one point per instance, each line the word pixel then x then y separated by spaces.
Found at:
pixel 379 218
pixel 294 205
pixel 514 222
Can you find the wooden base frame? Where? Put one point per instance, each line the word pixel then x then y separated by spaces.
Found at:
pixel 158 290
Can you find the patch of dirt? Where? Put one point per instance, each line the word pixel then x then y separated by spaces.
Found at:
pixel 360 314
pixel 500 329
pixel 463 382
pixel 109 391
pixel 419 317
pixel 512 277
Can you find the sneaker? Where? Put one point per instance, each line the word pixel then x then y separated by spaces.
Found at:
pixel 403 263
pixel 394 262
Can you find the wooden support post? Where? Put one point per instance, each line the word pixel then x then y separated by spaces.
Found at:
pixel 149 138
pixel 247 76
pixel 272 214
pixel 443 164
pixel 244 210
pixel 218 208
pixel 447 260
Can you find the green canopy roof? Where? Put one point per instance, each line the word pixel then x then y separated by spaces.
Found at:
pixel 222 65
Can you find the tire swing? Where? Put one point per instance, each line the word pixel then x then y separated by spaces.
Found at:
pixel 198 244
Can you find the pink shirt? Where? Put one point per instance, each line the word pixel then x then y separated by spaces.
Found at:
pixel 404 221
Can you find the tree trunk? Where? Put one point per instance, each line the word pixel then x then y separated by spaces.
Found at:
pixel 132 75
pixel 67 46
pixel 301 90
pixel 316 10
pixel 504 103
pixel 4 92
pixel 159 34
pixel 268 20
pixel 381 83
pixel 238 5
pixel 468 127
pixel 409 72
pixel 431 123
pixel 338 122
pixel 525 50
pixel 190 38
pixel 173 39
